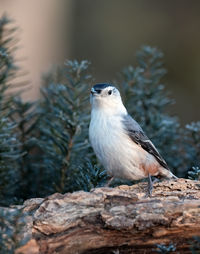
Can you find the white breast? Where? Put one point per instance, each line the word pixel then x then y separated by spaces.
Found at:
pixel 120 156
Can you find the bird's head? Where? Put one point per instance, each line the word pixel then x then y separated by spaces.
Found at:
pixel 106 97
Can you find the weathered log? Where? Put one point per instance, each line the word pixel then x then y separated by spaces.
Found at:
pixel 115 220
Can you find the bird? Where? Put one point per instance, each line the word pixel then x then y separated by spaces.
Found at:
pixel 119 142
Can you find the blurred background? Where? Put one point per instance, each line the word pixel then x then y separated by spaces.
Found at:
pixel 108 33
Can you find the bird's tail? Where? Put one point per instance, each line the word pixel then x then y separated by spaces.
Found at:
pixel 167 174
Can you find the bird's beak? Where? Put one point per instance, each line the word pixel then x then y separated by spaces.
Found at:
pixel 93 91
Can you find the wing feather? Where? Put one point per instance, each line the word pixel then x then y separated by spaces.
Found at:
pixel 136 133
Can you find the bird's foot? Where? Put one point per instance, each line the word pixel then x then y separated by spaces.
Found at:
pixel 149 192
pixel 109 182
pixel 149 187
pixel 156 180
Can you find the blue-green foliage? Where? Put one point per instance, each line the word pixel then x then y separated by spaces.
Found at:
pixel 192 143
pixel 195 245
pixel 25 119
pixel 11 223
pixel 194 173
pixel 9 143
pixel 164 249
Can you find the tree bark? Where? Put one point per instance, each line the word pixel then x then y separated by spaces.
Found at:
pixel 115 220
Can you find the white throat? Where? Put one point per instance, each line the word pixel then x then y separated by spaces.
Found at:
pixel 108 107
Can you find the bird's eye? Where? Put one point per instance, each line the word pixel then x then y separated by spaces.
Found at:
pixel 110 92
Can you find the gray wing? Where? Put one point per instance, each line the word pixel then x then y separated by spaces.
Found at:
pixel 136 133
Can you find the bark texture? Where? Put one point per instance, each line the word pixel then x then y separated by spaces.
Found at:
pixel 114 220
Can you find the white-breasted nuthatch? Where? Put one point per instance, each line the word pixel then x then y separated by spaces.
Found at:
pixel 118 140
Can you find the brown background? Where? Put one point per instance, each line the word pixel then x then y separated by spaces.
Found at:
pixel 108 33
